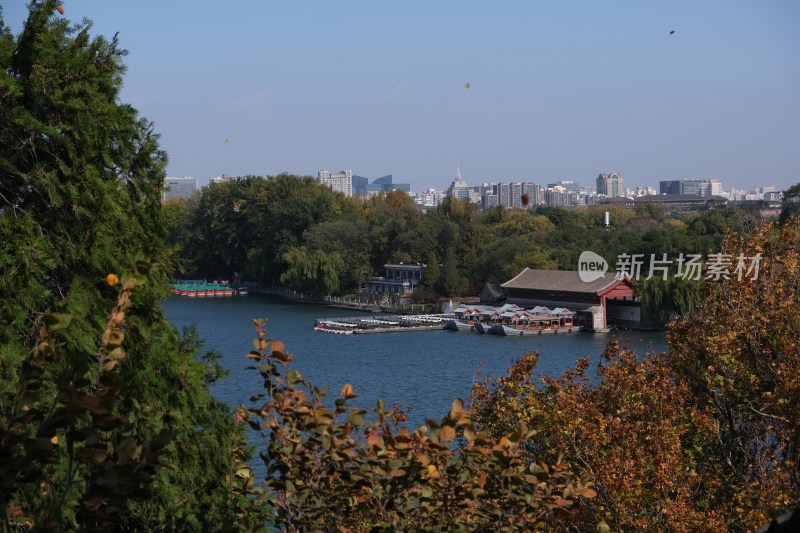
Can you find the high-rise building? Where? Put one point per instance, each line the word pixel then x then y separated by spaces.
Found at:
pixel 175 187
pixel 429 198
pixel 694 187
pixel 490 200
pixel 669 187
pixel 610 185
pixel 459 188
pixel 516 195
pixel 504 194
pixel 340 182
pixel 534 192
pixel 360 186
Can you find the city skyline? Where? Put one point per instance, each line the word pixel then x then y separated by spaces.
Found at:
pixel 516 92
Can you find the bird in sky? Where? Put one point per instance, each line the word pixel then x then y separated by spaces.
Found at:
pixel 673 31
pixel 466 85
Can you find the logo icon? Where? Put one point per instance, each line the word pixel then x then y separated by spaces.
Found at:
pixel 591 266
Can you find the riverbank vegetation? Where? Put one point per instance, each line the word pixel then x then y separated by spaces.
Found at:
pixel 291 230
pixel 106 420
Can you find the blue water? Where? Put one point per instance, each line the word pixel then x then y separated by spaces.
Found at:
pixel 424 370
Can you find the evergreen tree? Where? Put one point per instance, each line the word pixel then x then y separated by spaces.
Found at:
pixel 84 436
pixel 453 282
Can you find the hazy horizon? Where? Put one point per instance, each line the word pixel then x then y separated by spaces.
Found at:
pixel 518 91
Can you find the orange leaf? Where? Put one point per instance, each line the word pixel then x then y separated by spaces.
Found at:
pixel 278 346
pixel 448 433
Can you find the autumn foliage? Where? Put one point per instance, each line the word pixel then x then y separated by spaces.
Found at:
pixel 702 438
pixel 332 470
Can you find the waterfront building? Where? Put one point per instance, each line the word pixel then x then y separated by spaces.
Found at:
pixel 599 304
pixel 341 182
pixel 610 185
pixel 179 187
pixel 397 285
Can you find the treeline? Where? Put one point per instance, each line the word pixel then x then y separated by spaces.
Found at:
pixel 293 231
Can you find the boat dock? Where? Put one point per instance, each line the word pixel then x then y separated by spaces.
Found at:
pixel 380 324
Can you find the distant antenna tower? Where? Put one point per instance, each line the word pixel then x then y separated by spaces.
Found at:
pixel 607 219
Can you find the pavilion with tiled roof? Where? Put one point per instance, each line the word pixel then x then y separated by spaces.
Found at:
pixel 595 301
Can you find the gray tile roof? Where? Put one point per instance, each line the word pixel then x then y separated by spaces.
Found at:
pixel 558 280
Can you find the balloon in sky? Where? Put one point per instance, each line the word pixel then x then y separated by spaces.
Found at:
pixel 466 85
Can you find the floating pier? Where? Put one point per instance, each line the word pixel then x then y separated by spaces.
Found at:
pixel 380 324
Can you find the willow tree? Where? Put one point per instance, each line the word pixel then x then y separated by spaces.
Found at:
pixel 82 176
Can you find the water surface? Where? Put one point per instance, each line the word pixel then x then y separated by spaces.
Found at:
pixel 425 370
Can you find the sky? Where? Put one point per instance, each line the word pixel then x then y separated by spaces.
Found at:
pixel 529 90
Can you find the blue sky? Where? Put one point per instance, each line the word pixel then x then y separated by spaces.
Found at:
pixel 557 89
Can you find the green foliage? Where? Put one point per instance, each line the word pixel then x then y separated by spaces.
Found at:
pixel 316 272
pixel 246 225
pixel 88 426
pixel 249 224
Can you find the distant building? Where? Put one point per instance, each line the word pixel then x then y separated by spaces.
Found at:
pixel 221 179
pixel 340 182
pixel 384 184
pixel 693 187
pixel 610 185
pixel 379 185
pixel 516 195
pixel 773 196
pixel 560 196
pixel 175 187
pixel 398 283
pixel 644 191
pixel 490 201
pixel 504 194
pixel 534 192
pixel 672 202
pixel 429 198
pixel 360 186
pixel 458 188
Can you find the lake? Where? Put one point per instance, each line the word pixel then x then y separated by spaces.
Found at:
pixel 425 370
